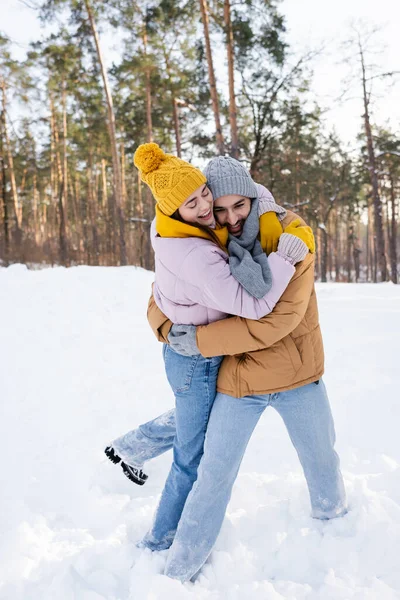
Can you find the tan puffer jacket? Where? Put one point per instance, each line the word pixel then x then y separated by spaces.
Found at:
pixel 281 351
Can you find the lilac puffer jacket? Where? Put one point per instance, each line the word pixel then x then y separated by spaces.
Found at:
pixel 194 284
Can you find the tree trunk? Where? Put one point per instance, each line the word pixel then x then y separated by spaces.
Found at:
pixel 58 165
pixel 104 202
pixel 231 78
pixel 55 166
pixel 11 172
pixel 337 246
pixel 379 235
pixel 393 232
pixel 65 158
pixel 123 176
pixel 211 77
pixel 175 114
pixel 149 120
pixel 83 237
pixel 324 254
pixel 35 209
pixel 108 212
pixel 92 205
pixel 4 206
pixel 348 249
pixel 113 141
pixel 330 255
pixel 140 222
pixel 356 253
pixel 62 232
pixel 368 240
pixel 63 204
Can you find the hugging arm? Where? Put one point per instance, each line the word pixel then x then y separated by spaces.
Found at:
pixel 208 281
pixel 237 335
pixel 159 323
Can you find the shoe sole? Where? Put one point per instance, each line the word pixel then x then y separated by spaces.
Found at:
pixel 130 476
pixel 109 452
pixel 115 459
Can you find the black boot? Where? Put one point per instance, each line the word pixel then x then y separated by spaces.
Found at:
pixel 135 474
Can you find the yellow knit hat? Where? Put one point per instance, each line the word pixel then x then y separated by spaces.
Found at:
pixel 170 179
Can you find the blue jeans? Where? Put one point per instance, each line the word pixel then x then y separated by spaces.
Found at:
pixel 147 441
pixel 308 419
pixel 194 382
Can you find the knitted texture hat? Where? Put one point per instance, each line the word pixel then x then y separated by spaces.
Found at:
pixel 170 179
pixel 226 176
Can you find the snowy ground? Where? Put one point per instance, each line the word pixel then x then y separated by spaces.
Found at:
pixel 79 365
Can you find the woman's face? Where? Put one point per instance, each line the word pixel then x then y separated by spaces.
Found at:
pixel 198 208
pixel 232 211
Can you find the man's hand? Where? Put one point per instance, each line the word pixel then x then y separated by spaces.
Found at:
pixel 182 339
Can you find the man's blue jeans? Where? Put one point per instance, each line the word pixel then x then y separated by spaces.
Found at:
pixel 308 419
pixel 194 381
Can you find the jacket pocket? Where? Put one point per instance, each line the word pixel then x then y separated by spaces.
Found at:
pixel 179 369
pixel 293 352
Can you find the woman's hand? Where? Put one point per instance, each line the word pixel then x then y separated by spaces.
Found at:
pixel 292 248
pixel 182 339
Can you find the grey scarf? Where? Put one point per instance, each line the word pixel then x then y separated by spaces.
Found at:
pixel 247 260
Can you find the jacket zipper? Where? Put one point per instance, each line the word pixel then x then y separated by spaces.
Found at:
pixel 239 387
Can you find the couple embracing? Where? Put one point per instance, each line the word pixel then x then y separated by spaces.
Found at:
pixel 235 307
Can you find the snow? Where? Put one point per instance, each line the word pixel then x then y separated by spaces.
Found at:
pixel 79 366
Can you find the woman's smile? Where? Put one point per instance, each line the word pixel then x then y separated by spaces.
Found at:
pixel 206 216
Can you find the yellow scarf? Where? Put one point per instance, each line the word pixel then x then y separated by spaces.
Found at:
pixel 270 230
pixel 168 227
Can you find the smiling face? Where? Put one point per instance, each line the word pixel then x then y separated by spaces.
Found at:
pixel 198 208
pixel 232 211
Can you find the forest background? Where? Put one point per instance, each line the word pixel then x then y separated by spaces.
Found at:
pixel 200 77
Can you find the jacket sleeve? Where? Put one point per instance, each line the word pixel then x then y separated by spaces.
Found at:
pixel 266 203
pixel 207 280
pixel 159 323
pixel 237 335
pixel 264 195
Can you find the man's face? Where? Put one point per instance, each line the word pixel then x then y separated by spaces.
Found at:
pixel 232 211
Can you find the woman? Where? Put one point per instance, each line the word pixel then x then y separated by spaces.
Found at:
pixel 196 284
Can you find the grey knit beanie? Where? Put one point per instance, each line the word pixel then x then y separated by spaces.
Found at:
pixel 226 176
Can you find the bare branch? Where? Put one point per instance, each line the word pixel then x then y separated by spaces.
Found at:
pixel 382 75
pixel 293 206
pixel 32 5
pixel 391 152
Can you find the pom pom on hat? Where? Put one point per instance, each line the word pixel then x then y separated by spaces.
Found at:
pixel 148 157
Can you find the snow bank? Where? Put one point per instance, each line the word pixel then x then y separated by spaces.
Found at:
pixel 79 366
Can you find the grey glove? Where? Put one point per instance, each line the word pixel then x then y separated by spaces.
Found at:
pixel 292 248
pixel 182 339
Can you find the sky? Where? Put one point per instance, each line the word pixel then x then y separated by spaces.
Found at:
pixel 311 24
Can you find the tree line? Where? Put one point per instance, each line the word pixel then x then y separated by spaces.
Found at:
pixel 200 77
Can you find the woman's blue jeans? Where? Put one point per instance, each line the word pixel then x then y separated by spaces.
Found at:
pixel 308 419
pixel 194 383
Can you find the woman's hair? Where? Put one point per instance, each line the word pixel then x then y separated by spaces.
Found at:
pixel 178 217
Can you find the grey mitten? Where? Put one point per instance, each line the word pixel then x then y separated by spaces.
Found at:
pixel 292 248
pixel 182 339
